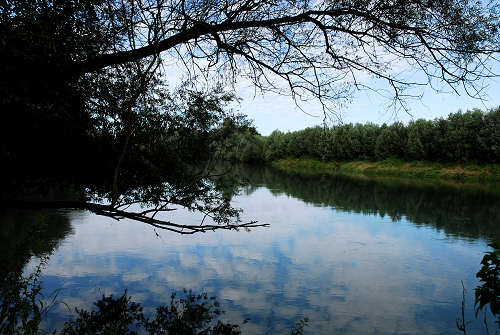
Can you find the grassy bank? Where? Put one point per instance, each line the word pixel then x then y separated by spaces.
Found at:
pixel 393 168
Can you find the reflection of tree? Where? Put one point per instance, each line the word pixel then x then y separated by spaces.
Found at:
pixel 189 314
pixel 457 211
pixel 24 234
pixel 27 233
pixel 146 201
pixel 21 312
pixel 20 308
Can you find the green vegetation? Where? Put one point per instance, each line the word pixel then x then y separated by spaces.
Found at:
pixel 470 137
pixel 464 146
pixel 488 293
pixel 394 168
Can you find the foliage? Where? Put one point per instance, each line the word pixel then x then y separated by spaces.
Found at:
pixel 473 136
pixel 84 96
pixel 423 140
pixel 239 141
pixel 317 48
pixel 44 125
pixel 188 314
pixel 391 141
pixel 488 293
pixel 23 306
pixel 20 310
pixel 118 133
pixel 113 316
pixel 56 50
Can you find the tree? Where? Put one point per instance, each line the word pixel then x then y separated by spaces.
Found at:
pixel 489 136
pixel 85 73
pixel 316 47
pixel 239 141
pixel 189 314
pixel 462 135
pixel 391 141
pixel 275 147
pixel 423 138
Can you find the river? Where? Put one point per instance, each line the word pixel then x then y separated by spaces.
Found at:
pixel 353 256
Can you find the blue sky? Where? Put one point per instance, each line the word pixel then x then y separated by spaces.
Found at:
pixel 271 111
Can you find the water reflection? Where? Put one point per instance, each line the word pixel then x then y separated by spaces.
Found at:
pixel 322 258
pixel 466 212
pixel 24 234
pixel 21 312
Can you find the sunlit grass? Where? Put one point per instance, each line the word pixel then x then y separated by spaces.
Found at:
pixel 394 167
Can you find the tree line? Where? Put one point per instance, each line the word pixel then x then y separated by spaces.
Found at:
pixel 472 136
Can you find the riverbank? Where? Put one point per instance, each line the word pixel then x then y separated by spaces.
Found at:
pixel 393 168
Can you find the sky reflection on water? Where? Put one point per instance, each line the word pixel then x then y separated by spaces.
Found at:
pixel 348 273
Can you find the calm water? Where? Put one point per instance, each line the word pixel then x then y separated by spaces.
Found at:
pixel 353 256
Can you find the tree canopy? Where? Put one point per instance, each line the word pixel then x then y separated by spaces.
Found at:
pixel 311 44
pixel 315 46
pixel 84 86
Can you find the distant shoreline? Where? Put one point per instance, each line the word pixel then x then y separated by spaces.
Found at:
pixel 392 167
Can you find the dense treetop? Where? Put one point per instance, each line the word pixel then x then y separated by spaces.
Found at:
pixel 472 136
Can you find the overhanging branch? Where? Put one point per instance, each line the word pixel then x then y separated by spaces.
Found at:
pixel 118 214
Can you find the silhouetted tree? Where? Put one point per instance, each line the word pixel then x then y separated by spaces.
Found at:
pixel 72 70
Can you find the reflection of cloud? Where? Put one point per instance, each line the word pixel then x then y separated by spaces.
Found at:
pixel 189 260
pixel 344 271
pixel 135 276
